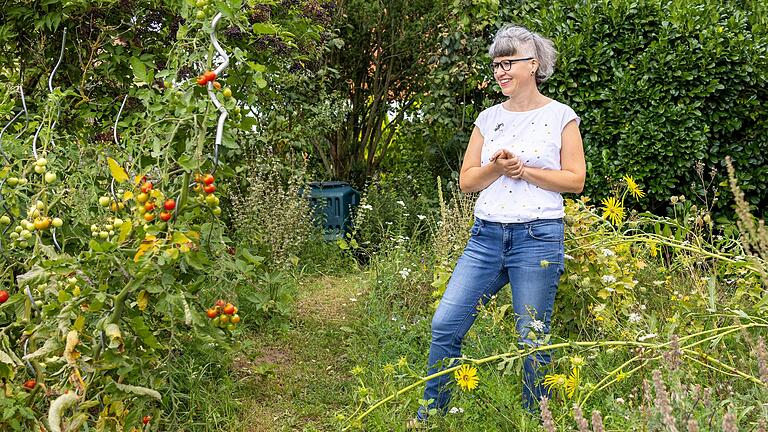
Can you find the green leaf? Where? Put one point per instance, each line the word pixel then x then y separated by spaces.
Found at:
pixel 139 71
pixel 262 28
pixel 145 333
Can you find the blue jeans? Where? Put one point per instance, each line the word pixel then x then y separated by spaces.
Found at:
pixel 528 256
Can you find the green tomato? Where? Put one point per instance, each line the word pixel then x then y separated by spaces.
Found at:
pixel 39 169
pixel 50 177
pixel 13 235
pixel 231 327
pixel 57 222
pixel 104 201
pixel 23 181
pixel 5 220
pixel 40 205
pixel 217 211
pixel 117 223
pixel 103 234
pixel 12 181
pixel 41 162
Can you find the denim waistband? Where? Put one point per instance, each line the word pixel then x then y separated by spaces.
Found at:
pixel 484 222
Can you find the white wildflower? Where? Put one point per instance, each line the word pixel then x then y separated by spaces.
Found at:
pixel 608 279
pixel 421 217
pixel 635 317
pixel 456 410
pixel 607 252
pixel 405 273
pixel 401 203
pixel 568 257
pixel 537 325
pixel 366 207
pixel 646 337
pixel 620 401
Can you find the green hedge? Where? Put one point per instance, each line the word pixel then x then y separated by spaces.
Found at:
pixel 659 86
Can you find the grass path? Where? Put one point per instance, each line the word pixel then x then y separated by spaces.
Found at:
pixel 300 376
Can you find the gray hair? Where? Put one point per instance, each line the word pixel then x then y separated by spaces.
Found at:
pixel 513 40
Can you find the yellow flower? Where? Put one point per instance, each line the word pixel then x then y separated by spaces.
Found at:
pixel 388 369
pixel 577 361
pixel 555 381
pixel 466 377
pixel 402 362
pixel 572 383
pixel 633 188
pixel 613 210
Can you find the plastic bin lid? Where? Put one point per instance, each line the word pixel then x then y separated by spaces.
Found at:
pixel 328 184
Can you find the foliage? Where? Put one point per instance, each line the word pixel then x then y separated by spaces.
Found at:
pixel 105 290
pixel 273 212
pixel 659 85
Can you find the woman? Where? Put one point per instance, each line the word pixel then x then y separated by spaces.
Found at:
pixel 522 154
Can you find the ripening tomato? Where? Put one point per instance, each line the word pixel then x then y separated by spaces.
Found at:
pixel 169 204
pixel 4 296
pixel 149 206
pixel 229 309
pixel 202 81
pixel 212 313
pixel 149 217
pixel 209 189
pixel 30 384
pixel 208 179
pixel 146 419
pixel 165 216
pixel 217 85
pixel 235 319
pixel 146 187
pixel 210 76
pixel 221 303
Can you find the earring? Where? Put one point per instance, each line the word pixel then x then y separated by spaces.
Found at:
pixel 533 72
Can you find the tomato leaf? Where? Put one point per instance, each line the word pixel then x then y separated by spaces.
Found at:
pixel 118 173
pixel 145 333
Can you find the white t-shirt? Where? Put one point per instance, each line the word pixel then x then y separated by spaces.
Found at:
pixel 535 137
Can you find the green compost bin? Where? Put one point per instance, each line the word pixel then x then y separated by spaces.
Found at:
pixel 333 203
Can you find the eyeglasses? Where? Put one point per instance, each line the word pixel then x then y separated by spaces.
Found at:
pixel 506 64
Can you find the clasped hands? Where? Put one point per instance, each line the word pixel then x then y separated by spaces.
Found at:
pixel 508 164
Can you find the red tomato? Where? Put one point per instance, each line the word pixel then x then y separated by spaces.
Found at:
pixel 208 179
pixel 30 384
pixel 202 81
pixel 220 303
pixel 146 419
pixel 165 216
pixel 229 309
pixel 4 296
pixel 149 206
pixel 146 187
pixel 169 204
pixel 210 76
pixel 212 313
pixel 209 189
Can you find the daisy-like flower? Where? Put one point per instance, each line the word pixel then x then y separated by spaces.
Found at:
pixel 635 317
pixel 572 382
pixel 421 217
pixel 537 325
pixel 613 210
pixel 466 377
pixel 555 381
pixel 577 361
pixel 608 279
pixel 633 188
